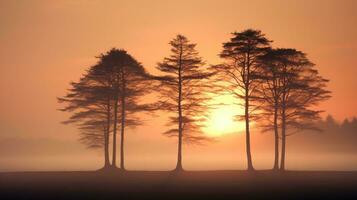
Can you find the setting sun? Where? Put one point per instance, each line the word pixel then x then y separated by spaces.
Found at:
pixel 221 120
pixel 179 99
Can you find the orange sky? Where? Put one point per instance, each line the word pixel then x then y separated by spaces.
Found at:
pixel 46 44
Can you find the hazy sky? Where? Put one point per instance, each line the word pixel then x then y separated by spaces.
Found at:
pixel 46 44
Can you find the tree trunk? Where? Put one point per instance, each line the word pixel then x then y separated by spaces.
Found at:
pixel 106 149
pixel 122 141
pixel 122 166
pixel 115 132
pixel 247 132
pixel 246 113
pixel 106 138
pixel 283 139
pixel 179 156
pixel 179 152
pixel 276 135
pixel 179 109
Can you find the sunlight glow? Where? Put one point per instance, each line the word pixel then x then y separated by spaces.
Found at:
pixel 221 120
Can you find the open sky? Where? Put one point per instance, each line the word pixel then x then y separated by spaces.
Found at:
pixel 46 44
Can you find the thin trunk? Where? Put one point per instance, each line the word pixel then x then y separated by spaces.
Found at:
pixel 106 149
pixel 276 135
pixel 283 121
pixel 106 138
pixel 247 131
pixel 179 156
pixel 122 124
pixel 283 139
pixel 115 131
pixel 179 109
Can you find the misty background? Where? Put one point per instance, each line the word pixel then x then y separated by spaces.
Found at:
pixel 47 44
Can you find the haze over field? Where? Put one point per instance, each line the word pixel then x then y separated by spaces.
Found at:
pixel 47 44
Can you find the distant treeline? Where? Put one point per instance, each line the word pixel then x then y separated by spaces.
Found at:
pixel 330 125
pixel 278 88
pixel 331 137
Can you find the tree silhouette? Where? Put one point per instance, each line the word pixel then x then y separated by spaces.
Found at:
pixel 349 126
pixel 89 100
pixel 181 91
pixel 300 88
pixel 107 95
pixel 269 95
pixel 237 73
pixel 279 87
pixel 129 82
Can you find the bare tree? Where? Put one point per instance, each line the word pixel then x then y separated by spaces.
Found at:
pixel 182 91
pixel 237 73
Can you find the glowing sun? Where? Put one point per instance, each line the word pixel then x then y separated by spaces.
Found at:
pixel 222 121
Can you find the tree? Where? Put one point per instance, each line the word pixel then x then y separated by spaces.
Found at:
pixel 301 89
pixel 107 95
pixel 353 127
pixel 331 122
pixel 237 73
pixel 269 95
pixel 181 90
pixel 89 100
pixel 129 81
pixel 290 87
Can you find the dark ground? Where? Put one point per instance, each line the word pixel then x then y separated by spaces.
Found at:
pixel 185 185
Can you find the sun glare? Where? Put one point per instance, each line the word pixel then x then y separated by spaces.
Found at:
pixel 221 120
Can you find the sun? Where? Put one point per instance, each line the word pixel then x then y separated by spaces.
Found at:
pixel 221 120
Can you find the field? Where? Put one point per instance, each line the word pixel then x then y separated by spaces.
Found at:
pixel 178 185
